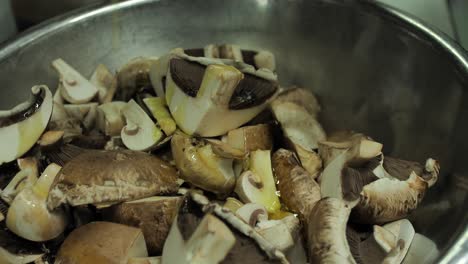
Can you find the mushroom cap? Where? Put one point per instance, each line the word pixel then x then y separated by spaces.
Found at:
pixel 200 166
pixel 132 76
pixel 102 242
pixel 22 126
pixel 154 215
pixel 302 97
pixel 250 138
pixel 111 176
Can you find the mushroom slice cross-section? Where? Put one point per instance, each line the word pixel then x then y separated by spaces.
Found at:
pixel 25 178
pixel 106 83
pixel 140 133
pixel 208 98
pixel 102 242
pixel 73 86
pixel 133 76
pixel 30 203
pixel 159 70
pixel 22 126
pixel 200 166
pixel 250 138
pixel 252 213
pixel 257 185
pixel 100 176
pixel 158 108
pixel 110 119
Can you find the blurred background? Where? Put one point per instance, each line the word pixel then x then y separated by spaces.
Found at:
pixel 450 16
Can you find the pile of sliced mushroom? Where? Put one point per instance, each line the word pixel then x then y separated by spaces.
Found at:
pixel 198 156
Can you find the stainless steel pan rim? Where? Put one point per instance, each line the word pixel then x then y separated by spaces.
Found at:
pixel 458 251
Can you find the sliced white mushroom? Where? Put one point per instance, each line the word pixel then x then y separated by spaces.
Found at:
pixel 209 243
pixel 257 185
pixel 326 232
pixel 106 83
pixel 158 108
pixel 208 98
pixel 22 126
pixel 60 120
pixel 159 70
pixel 51 138
pixel 252 213
pixel 73 86
pixel 422 251
pixel 30 204
pixel 299 126
pixel 200 166
pixel 110 119
pixel 25 178
pixel 139 133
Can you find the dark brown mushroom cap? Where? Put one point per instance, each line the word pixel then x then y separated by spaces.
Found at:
pixel 111 176
pixel 251 90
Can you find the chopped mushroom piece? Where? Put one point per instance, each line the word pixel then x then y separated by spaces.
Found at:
pixel 208 98
pixel 326 232
pixel 86 113
pixel 140 133
pixel 22 126
pixel 154 215
pixel 299 191
pixel 249 244
pixel 310 160
pixel 159 70
pixel 106 83
pixel 73 86
pixel 60 120
pixel 250 138
pixel 299 126
pixel 401 169
pixel 281 233
pixel 388 244
pixel 102 242
pixel 302 97
pixel 257 184
pixel 209 242
pixel 363 147
pixel 51 139
pixel 225 150
pixel 200 166
pixel 30 203
pixel 232 204
pixel 111 176
pixel 132 76
pixel 110 119
pixel 157 107
pixel 25 178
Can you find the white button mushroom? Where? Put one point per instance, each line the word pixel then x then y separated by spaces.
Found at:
pixel 73 86
pixel 140 133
